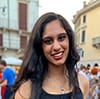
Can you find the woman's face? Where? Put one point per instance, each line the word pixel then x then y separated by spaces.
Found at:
pixel 55 43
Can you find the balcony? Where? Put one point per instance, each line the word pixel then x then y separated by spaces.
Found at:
pixel 96 42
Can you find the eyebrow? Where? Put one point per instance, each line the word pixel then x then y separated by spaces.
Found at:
pixel 58 35
pixel 62 33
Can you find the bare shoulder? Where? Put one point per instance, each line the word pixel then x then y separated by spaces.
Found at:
pixel 84 84
pixel 82 78
pixel 24 91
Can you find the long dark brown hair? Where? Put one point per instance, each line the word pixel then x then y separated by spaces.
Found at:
pixel 34 65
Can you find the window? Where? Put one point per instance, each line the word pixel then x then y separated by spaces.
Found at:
pixel 80 52
pixel 14 40
pixel 22 16
pixel 11 40
pixel 78 38
pixel 84 19
pixel 0 39
pixel 23 42
pixel 0 57
pixel 77 24
pixel 6 40
pixel 83 36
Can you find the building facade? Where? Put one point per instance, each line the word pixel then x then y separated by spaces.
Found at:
pixel 17 18
pixel 87 32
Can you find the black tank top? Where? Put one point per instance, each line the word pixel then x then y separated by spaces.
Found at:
pixel 45 95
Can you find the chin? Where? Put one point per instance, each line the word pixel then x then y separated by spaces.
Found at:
pixel 59 63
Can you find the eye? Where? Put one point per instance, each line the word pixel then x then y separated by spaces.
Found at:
pixel 62 37
pixel 48 41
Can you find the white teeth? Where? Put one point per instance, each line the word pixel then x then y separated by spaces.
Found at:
pixel 58 54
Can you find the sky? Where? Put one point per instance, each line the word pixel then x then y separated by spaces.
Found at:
pixel 67 8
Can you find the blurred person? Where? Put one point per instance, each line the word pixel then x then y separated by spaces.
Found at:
pixel 0 81
pixel 95 69
pixel 90 77
pixel 8 78
pixel 3 88
pixel 88 74
pixel 95 88
pixel 82 70
pixel 98 74
pixel 88 66
pixel 48 70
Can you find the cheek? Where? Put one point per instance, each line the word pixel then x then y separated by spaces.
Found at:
pixel 66 44
pixel 46 50
pixel 66 47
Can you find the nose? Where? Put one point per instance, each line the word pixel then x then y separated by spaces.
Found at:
pixel 56 46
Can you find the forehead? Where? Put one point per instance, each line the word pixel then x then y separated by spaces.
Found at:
pixel 53 28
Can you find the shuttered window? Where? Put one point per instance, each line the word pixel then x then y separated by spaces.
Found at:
pixel 22 16
pixel 0 39
pixel 23 42
pixel 83 36
pixel 84 19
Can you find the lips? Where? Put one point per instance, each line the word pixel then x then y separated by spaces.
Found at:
pixel 58 55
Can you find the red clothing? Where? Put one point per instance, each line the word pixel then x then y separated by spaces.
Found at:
pixel 2 88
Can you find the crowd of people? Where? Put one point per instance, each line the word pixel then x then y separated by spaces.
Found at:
pixel 7 80
pixel 93 74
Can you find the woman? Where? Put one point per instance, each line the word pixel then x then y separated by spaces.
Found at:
pixel 48 70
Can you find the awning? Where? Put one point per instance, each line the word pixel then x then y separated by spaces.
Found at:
pixel 13 61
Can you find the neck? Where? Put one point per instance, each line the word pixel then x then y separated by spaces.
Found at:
pixel 56 71
pixel 57 80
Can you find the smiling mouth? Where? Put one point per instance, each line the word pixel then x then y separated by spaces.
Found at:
pixel 57 56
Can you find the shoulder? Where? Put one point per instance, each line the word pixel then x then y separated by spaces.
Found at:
pixel 7 69
pixel 83 84
pixel 24 91
pixel 82 77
